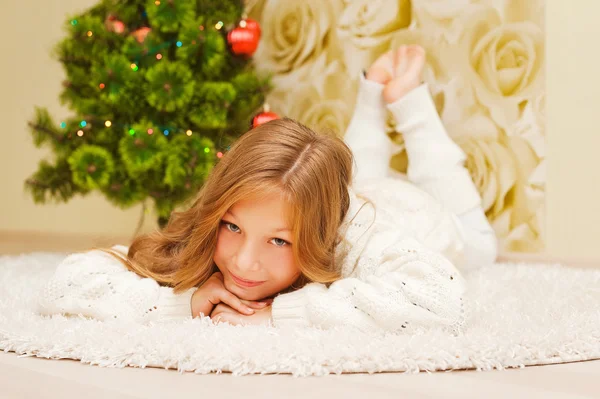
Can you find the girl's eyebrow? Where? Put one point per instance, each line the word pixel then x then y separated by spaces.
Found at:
pixel 276 230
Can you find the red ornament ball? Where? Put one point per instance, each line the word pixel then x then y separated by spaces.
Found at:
pixel 140 34
pixel 252 26
pixel 114 25
pixel 118 27
pixel 243 40
pixel 263 117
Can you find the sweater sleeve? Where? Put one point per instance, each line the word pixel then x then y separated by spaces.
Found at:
pixel 96 285
pixel 410 288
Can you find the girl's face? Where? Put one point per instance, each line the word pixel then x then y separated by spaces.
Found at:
pixel 254 244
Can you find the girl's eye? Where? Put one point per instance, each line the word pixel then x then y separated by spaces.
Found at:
pixel 284 243
pixel 228 225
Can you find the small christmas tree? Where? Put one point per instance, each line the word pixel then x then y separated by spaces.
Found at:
pixel 160 89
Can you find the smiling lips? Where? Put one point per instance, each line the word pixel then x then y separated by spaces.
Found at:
pixel 245 283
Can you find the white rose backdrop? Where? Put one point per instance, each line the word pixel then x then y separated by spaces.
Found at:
pixel 485 68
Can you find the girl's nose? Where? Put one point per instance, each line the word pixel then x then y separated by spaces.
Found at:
pixel 247 259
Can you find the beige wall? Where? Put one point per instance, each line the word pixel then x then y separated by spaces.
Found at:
pixel 28 77
pixel 573 108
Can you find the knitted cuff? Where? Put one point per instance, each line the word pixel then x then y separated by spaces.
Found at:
pixel 290 309
pixel 370 94
pixel 418 100
pixel 174 306
pixel 369 115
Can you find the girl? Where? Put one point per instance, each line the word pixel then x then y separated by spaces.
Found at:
pixel 284 231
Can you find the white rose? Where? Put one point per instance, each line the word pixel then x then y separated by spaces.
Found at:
pixel 501 170
pixel 325 103
pixel 519 10
pixel 441 17
pixel 529 236
pixel 531 127
pixel 365 28
pixel 294 33
pixel 533 118
pixel 503 62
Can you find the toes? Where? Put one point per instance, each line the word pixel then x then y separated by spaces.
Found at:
pixel 415 56
pixel 401 61
pixel 416 50
pixel 385 60
pixel 416 62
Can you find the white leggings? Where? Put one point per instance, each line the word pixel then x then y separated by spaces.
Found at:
pixel 436 163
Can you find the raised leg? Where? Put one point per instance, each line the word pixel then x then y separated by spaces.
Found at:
pixel 366 136
pixel 436 165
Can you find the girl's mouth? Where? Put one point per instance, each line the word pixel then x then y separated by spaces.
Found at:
pixel 245 283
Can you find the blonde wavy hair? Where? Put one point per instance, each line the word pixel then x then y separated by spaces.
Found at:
pixel 312 171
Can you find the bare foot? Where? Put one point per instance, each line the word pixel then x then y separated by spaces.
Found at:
pixel 408 67
pixel 382 70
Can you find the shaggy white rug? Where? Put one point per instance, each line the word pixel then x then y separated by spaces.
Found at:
pixel 523 314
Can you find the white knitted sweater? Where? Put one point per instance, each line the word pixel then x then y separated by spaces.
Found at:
pixel 398 268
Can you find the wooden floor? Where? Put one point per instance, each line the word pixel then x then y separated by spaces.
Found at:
pixel 35 378
pixel 28 377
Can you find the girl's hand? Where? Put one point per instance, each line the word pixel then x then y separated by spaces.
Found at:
pixel 213 292
pixel 223 313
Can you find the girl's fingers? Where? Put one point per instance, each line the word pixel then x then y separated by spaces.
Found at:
pixel 234 302
pixel 255 304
